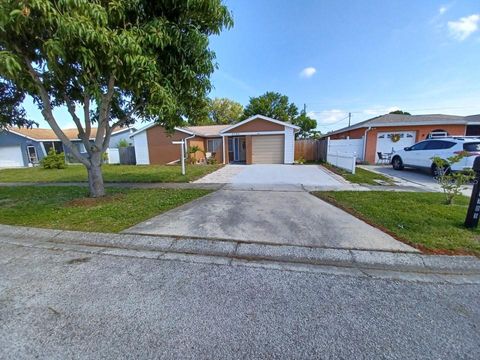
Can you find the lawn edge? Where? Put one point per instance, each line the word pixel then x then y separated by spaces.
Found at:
pixel 425 250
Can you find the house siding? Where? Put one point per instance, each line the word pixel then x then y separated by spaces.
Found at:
pixel 289 145
pixel 10 139
pixel 257 125
pixel 141 148
pixel 160 147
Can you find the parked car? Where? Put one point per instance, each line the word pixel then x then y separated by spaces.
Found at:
pixel 420 155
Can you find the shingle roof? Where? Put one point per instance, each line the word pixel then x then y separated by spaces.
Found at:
pixel 207 130
pixel 48 134
pixel 412 120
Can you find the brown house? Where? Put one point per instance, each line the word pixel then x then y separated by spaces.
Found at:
pixel 394 132
pixel 256 140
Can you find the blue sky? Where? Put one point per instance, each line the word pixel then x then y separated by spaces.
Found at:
pixel 366 57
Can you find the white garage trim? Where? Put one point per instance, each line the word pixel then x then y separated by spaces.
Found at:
pixel 386 145
pixel 11 156
pixel 268 149
pixel 289 142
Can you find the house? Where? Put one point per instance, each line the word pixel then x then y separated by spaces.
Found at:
pixel 393 132
pixel 21 146
pixel 256 140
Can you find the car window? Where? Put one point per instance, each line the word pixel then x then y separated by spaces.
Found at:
pixel 471 146
pixel 420 146
pixel 439 145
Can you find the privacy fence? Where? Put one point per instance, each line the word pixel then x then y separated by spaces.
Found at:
pixel 343 153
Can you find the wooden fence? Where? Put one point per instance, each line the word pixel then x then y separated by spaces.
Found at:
pixel 306 149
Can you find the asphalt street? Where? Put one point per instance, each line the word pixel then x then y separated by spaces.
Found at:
pixel 64 304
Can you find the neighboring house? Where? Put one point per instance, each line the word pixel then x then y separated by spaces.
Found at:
pixel 256 140
pixel 392 132
pixel 21 146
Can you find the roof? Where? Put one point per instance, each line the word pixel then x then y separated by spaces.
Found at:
pixel 410 120
pixel 207 130
pixel 261 117
pixel 40 134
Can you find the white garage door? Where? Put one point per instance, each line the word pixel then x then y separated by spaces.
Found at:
pixel 11 156
pixel 388 141
pixel 268 149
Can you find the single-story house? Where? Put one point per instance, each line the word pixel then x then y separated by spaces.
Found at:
pixel 393 132
pixel 21 146
pixel 256 140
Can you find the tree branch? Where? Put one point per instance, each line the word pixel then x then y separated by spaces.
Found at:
pixel 81 133
pixel 48 113
pixel 104 113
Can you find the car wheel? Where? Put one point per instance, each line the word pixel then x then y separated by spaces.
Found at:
pixel 397 163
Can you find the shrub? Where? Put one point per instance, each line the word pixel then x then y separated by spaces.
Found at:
pixel 301 160
pixel 123 143
pixel 54 160
pixel 452 183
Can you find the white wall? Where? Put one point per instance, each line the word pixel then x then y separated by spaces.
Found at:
pixel 343 161
pixel 289 145
pixel 113 156
pixel 141 148
pixel 346 146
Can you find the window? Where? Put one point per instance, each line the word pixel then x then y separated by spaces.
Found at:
pixel 32 154
pixel 420 146
pixel 439 133
pixel 439 145
pixel 473 147
pixel 214 145
pixel 57 145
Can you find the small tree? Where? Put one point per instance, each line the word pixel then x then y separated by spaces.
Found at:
pixel 123 143
pixel 224 111
pixel 452 183
pixel 116 60
pixel 53 160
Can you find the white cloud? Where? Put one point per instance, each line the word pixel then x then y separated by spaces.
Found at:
pixel 308 72
pixel 443 9
pixel 328 117
pixel 464 27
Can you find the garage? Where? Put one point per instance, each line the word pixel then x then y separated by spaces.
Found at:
pixel 11 156
pixel 267 149
pixel 388 142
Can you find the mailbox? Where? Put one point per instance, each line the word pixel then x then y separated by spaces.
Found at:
pixel 473 212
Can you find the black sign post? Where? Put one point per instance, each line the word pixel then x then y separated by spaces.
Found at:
pixel 473 212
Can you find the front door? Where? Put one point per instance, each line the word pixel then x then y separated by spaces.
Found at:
pixel 32 155
pixel 239 149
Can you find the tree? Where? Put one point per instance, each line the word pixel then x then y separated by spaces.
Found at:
pixel 278 106
pixel 399 112
pixel 224 111
pixel 271 104
pixel 12 112
pixel 307 125
pixel 116 60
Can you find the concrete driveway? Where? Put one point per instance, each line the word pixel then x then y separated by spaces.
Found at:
pixel 413 177
pixel 273 217
pixel 272 174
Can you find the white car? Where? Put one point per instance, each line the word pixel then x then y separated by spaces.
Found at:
pixel 420 155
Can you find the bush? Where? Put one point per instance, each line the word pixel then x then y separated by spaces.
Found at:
pixel 54 160
pixel 452 183
pixel 301 160
pixel 123 143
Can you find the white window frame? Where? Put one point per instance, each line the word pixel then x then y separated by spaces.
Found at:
pixel 212 148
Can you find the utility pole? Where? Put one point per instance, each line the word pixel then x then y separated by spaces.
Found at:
pixel 305 109
pixel 349 118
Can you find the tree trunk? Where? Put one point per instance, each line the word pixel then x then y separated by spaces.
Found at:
pixel 95 176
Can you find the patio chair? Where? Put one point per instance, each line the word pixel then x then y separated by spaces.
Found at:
pixel 383 159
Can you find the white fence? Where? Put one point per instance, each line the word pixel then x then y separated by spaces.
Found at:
pixel 343 161
pixel 113 156
pixel 347 146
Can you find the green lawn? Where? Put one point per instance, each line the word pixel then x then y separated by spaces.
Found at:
pixel 361 176
pixel 62 207
pixel 420 219
pixel 111 173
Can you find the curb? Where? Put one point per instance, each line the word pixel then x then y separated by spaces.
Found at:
pixel 245 251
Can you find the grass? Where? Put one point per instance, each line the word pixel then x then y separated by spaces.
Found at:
pixel 111 173
pixel 419 219
pixel 66 207
pixel 362 176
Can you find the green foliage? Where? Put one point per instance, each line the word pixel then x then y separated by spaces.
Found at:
pixel 271 104
pixel 399 112
pixel 301 160
pixel 306 124
pixel 192 151
pixel 127 60
pixel 54 160
pixel 278 106
pixel 12 112
pixel 123 143
pixel 224 111
pixel 452 183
